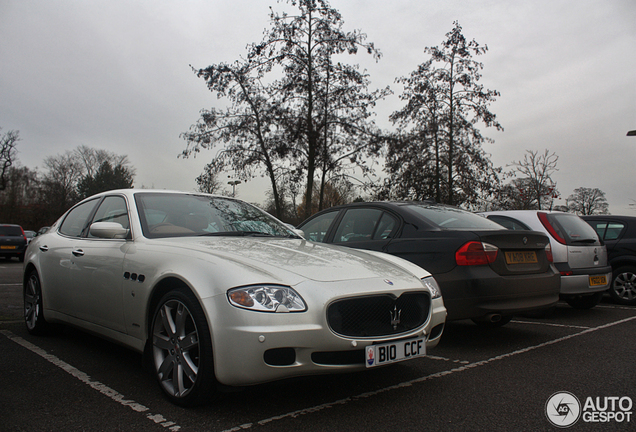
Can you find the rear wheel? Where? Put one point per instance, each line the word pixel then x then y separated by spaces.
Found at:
pixel 584 301
pixel 33 312
pixel 182 349
pixel 623 289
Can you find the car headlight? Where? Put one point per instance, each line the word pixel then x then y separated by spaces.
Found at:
pixel 431 284
pixel 267 298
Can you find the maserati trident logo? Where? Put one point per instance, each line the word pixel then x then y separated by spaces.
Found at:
pixel 388 282
pixel 525 240
pixel 395 317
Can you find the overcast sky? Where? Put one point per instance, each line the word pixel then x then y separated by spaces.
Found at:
pixel 115 75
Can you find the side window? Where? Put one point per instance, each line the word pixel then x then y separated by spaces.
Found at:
pixel 113 209
pixel 316 229
pixel 358 225
pixel 613 231
pixel 599 227
pixel 385 227
pixel 76 220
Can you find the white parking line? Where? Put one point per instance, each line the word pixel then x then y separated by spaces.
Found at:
pixel 114 395
pixel 616 307
pixel 447 359
pixel 550 324
pixel 13 284
pixel 304 411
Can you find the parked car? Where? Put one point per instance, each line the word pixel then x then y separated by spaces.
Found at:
pixel 619 235
pixel 29 235
pixel 13 242
pixel 578 253
pixel 486 273
pixel 42 231
pixel 214 290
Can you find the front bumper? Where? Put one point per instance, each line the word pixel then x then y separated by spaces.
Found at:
pixel 253 347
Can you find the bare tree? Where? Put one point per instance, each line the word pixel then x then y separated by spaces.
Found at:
pixel 444 103
pixel 8 142
pixel 314 119
pixel 208 181
pixel 588 201
pixel 536 170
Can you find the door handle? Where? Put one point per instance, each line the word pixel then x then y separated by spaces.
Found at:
pixel 44 248
pixel 78 252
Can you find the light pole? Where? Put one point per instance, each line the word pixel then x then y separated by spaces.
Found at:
pixel 234 183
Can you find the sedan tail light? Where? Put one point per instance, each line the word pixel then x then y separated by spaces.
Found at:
pixel 548 253
pixel 476 253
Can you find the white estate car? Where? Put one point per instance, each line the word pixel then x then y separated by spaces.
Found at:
pixel 577 252
pixel 216 291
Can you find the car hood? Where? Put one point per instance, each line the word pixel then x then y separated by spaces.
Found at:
pixel 304 259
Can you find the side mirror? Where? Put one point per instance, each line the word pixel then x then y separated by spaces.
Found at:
pixel 108 230
pixel 298 232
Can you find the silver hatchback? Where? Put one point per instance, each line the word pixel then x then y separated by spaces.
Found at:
pixel 578 253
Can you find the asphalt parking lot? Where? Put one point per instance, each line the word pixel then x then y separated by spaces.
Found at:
pixel 518 377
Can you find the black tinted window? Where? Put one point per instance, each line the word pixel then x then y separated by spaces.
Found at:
pixel 453 218
pixel 10 231
pixel 358 225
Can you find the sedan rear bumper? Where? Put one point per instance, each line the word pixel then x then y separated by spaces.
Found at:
pixel 477 291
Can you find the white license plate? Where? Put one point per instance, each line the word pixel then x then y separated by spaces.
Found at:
pixel 391 352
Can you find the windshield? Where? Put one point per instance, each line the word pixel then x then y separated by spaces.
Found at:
pixel 180 215
pixel 10 231
pixel 573 229
pixel 453 218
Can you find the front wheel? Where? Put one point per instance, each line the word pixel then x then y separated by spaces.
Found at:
pixel 584 301
pixel 33 311
pixel 623 289
pixel 182 349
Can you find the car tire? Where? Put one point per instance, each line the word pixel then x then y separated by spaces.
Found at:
pixel 623 289
pixel 21 257
pixel 181 349
pixel 584 301
pixel 33 310
pixel 486 323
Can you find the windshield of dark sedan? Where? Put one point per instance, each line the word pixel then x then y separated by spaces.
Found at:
pixel 178 215
pixel 453 218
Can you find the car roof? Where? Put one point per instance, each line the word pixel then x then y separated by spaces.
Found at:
pixel 611 217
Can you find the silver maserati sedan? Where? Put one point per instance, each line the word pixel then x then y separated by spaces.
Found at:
pixel 216 292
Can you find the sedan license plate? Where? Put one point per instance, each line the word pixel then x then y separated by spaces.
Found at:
pixel 598 280
pixel 528 257
pixel 391 352
pixel 8 247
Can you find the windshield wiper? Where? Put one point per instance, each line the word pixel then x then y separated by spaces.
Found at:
pixel 588 241
pixel 237 234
